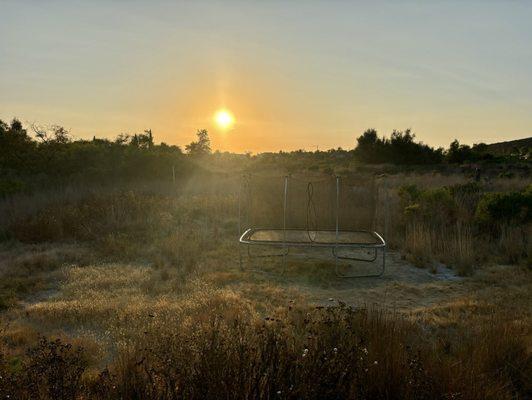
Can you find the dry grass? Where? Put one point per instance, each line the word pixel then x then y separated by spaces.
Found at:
pixel 32 269
pixel 211 338
pixel 436 179
pixel 119 299
pixel 222 349
pixel 514 243
pixel 453 246
pixel 154 306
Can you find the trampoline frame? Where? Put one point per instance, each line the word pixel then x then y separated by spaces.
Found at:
pixel 245 239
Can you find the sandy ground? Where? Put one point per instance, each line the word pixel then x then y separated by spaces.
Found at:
pixel 442 297
pixel 402 287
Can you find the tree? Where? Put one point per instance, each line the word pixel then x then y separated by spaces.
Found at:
pixel 54 134
pixel 142 140
pixel 202 146
pixel 480 148
pixel 401 148
pixel 459 153
pixel 16 146
pixel 368 138
pixel 405 150
pixel 370 147
pixel 165 148
pixel 122 139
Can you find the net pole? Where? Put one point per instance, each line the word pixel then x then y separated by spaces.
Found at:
pixel 284 219
pixel 284 206
pixel 337 205
pixel 240 220
pixel 240 207
pixel 337 219
pixel 386 210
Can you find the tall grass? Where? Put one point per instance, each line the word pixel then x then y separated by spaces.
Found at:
pixel 160 224
pixel 300 353
pixel 452 245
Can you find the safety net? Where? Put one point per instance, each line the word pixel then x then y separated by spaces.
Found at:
pixel 311 204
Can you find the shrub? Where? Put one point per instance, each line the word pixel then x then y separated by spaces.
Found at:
pixel 10 186
pixel 509 207
pixel 92 217
pixel 434 205
pixel 51 370
pixel 409 193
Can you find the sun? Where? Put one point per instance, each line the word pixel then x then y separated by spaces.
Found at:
pixel 224 119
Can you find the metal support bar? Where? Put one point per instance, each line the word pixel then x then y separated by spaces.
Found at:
pixel 284 253
pixel 380 273
pixel 251 257
pixel 373 258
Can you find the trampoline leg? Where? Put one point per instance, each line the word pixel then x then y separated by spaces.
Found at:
pixel 372 259
pixel 340 275
pixel 335 262
pixel 383 260
pixel 251 257
pixel 240 256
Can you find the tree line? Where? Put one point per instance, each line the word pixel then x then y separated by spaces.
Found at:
pixel 39 156
pixel 44 154
pixel 402 148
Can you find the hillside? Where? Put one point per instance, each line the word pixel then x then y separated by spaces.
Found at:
pixel 509 147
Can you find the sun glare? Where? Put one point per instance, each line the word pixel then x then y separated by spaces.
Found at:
pixel 224 119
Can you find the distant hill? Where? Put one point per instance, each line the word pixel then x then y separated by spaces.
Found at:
pixel 510 147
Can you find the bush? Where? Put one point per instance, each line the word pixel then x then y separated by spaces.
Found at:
pixel 509 207
pixel 435 205
pixel 10 186
pixel 92 217
pixel 51 370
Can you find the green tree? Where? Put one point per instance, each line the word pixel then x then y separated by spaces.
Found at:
pixel 16 146
pixel 401 149
pixel 202 146
pixel 370 148
pixel 54 134
pixel 142 140
pixel 458 153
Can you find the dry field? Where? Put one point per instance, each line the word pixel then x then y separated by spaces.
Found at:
pixel 144 291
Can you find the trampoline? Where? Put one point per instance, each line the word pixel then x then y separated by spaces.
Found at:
pixel 341 242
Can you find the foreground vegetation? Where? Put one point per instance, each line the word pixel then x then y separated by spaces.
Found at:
pixel 333 352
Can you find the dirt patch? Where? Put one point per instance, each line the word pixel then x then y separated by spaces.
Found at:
pixel 403 287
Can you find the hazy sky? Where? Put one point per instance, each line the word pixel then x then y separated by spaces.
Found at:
pixel 295 74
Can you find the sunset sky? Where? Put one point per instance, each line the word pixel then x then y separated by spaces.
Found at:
pixel 294 74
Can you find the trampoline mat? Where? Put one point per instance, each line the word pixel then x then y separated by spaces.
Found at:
pixel 311 237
